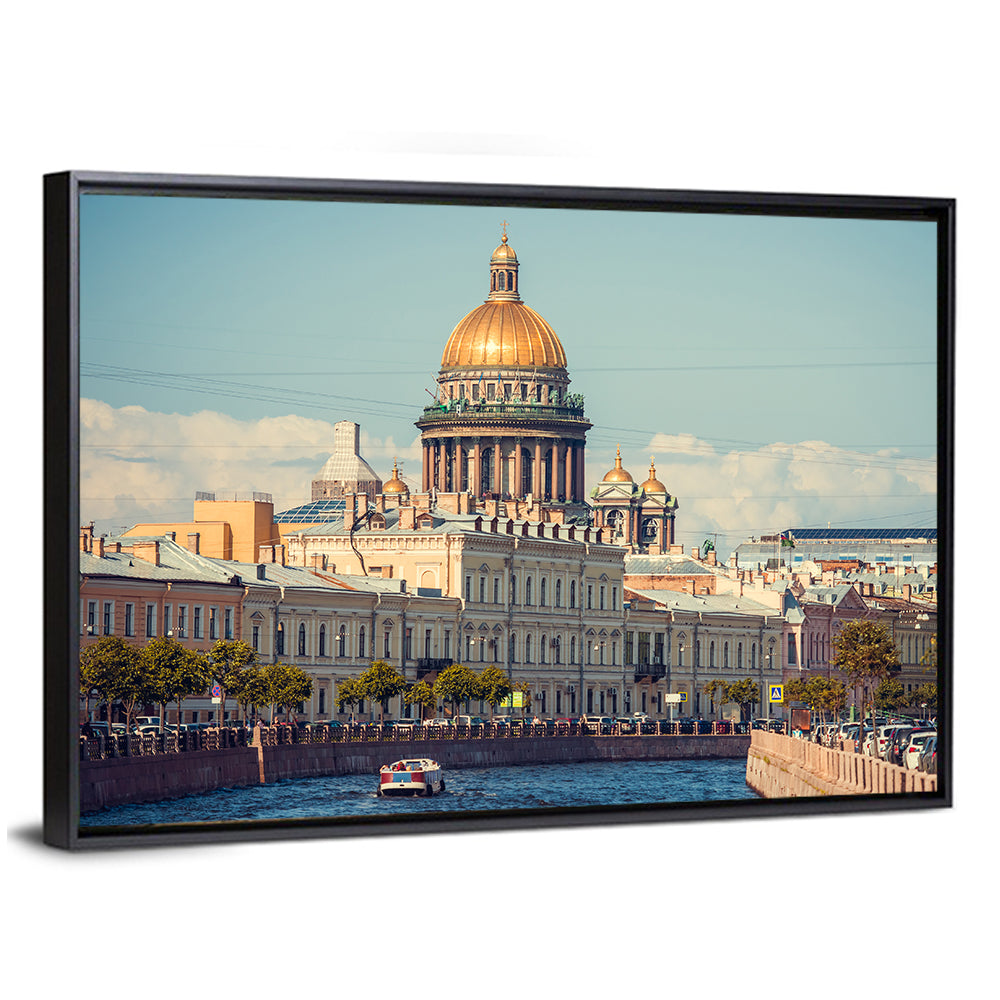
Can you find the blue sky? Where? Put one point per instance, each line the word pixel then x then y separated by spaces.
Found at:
pixel 782 370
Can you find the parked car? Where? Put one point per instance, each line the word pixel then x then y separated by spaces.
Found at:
pixel 928 759
pixel 469 720
pixel 723 727
pixel 437 723
pixel 911 758
pixel 626 725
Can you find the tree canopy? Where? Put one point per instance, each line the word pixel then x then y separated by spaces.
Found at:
pixel 456 684
pixel 380 682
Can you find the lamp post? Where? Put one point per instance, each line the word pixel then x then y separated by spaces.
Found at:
pixel 680 663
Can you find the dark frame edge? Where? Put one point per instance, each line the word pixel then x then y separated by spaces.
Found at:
pixel 61 505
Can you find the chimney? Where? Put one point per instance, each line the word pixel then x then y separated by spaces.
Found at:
pixel 907 592
pixel 710 558
pixel 691 587
pixel 100 547
pixel 407 518
pixel 87 537
pixel 149 551
pixel 194 542
pixel 695 554
pixel 386 572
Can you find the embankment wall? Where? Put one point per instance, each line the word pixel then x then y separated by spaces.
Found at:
pixel 784 767
pixel 121 780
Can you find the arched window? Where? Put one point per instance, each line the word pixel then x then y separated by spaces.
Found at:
pixel 739 656
pixel 302 640
pixel 558 593
pixel 541 651
pixel 753 656
pixel 513 590
pixel 572 593
pixel 527 649
pixel 711 655
pixel 725 656
pixel 542 594
pixel 361 641
pixel 322 641
pixel 527 591
pixel 572 649
pixel 342 641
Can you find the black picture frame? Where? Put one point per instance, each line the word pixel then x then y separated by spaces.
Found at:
pixel 62 194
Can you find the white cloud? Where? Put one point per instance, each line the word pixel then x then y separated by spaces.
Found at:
pixel 138 465
pixel 779 485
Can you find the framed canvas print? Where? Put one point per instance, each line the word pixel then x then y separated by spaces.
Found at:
pixel 384 507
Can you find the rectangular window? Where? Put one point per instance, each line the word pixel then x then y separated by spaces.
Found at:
pixel 427 644
pixel 229 623
pixel 213 623
pixel 447 643
pixel 255 637
pixel 643 648
pixel 91 617
pixel 108 618
pixel 629 647
pixel 182 616
pixel 167 617
pixel 280 643
pixel 614 598
pixel 408 652
pixel 130 619
pixel 150 620
pixel 602 598
pixel 385 651
pixel 197 622
pixel 657 647
pixel 468 588
pixel 590 596
pixel 496 590
pixel 482 590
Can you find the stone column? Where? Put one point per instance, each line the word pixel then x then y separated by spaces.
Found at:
pixel 581 475
pixel 518 470
pixel 456 483
pixel 537 472
pixel 477 483
pixel 497 468
pixel 442 465
pixel 428 462
pixel 556 448
pixel 570 448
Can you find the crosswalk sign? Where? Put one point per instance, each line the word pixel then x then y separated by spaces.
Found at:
pixel 684 696
pixel 777 693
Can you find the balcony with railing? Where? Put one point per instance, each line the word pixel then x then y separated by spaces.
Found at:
pixel 455 411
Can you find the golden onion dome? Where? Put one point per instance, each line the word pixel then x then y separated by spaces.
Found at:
pixel 395 485
pixel 653 485
pixel 503 331
pixel 618 474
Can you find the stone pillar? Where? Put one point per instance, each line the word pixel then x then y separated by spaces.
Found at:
pixel 456 482
pixel 581 474
pixel 570 449
pixel 425 483
pixel 517 491
pixel 554 475
pixel 442 465
pixel 497 468
pixel 537 472
pixel 477 483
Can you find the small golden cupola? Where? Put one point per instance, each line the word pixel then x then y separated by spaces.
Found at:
pixel 395 485
pixel 618 474
pixel 653 485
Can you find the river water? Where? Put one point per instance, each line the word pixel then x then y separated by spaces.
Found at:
pixel 536 786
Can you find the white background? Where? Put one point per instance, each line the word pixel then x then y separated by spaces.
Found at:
pixel 887 98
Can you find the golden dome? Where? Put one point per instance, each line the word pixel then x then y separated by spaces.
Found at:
pixel 395 485
pixel 618 474
pixel 503 332
pixel 504 252
pixel 653 485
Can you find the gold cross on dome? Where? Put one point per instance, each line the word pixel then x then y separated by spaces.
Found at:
pixel 504 230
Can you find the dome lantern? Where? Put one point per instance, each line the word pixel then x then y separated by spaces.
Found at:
pixel 653 485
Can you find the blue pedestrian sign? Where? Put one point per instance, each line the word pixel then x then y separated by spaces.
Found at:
pixel 777 693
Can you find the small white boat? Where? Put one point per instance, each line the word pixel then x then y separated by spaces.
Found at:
pixel 416 776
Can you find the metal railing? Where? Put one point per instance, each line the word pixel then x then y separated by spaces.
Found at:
pixel 149 744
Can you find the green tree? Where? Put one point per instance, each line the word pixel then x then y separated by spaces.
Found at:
pixel 349 693
pixel 229 659
pixel 110 668
pixel 826 694
pixel 718 688
pixel 380 682
pixel 746 694
pixel 494 687
pixel 285 685
pixel 249 689
pixel 865 652
pixel 421 694
pixel 175 673
pixel 889 695
pixel 455 684
pixel 926 694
